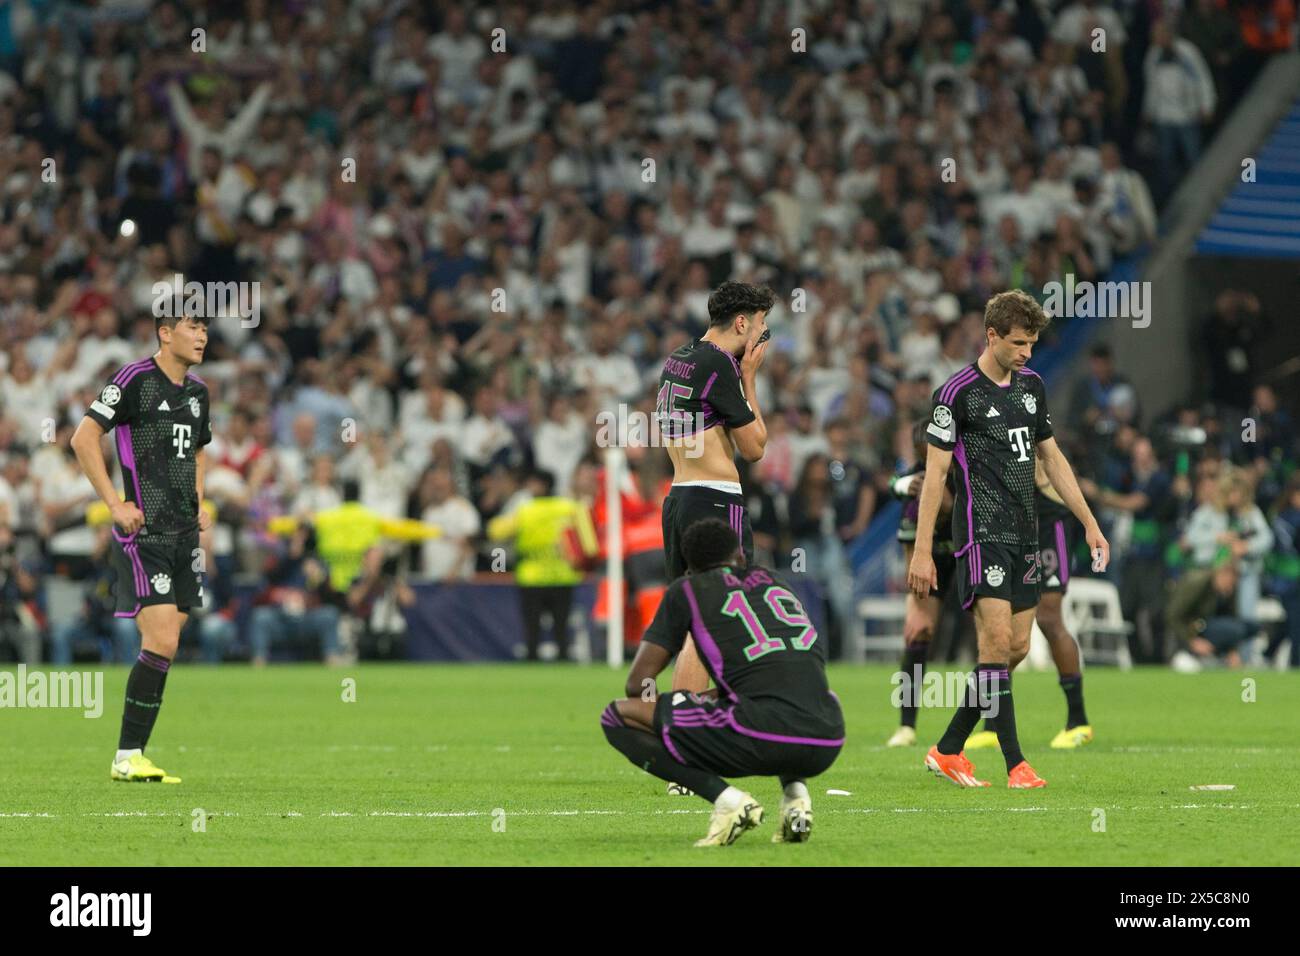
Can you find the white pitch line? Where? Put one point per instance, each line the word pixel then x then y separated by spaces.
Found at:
pixel 461 814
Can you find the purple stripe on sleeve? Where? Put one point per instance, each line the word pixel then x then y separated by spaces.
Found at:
pixel 127 613
pixel 1029 371
pixel 134 371
pixel 127 372
pixel 734 364
pixel 955 384
pixel 708 385
pixel 704 640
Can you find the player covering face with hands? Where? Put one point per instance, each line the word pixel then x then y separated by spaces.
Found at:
pixel 992 419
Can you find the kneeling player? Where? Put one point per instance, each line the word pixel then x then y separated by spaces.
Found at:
pixel 921 620
pixel 771 713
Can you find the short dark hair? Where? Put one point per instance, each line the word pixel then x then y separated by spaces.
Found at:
pixel 1014 308
pixel 708 544
pixel 734 298
pixel 171 320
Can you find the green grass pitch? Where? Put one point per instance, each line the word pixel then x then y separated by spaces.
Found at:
pixel 506 765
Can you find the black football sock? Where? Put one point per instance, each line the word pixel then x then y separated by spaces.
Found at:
pixel 649 753
pixel 1072 685
pixel 914 657
pixel 998 690
pixel 968 712
pixel 144 694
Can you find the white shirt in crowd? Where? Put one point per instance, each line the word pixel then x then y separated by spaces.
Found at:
pixel 445 557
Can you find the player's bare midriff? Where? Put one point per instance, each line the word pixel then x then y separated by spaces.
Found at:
pixel 716 463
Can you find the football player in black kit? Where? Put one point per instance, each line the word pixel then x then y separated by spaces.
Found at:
pixel 921 620
pixel 159 409
pixel 772 712
pixel 707 410
pixel 992 418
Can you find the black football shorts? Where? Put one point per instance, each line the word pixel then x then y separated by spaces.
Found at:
pixel 155 569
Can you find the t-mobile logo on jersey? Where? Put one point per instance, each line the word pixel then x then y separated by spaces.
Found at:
pixel 181 439
pixel 1019 438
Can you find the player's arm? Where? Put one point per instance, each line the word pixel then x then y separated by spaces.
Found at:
pixel 922 575
pixel 200 465
pixel 1061 475
pixel 749 433
pixel 662 639
pixel 90 455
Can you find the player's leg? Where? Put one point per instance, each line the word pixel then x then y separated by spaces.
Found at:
pixel 1002 705
pixel 1065 654
pixel 628 726
pixel 919 625
pixel 531 604
pixel 993 633
pixel 160 628
pixel 560 601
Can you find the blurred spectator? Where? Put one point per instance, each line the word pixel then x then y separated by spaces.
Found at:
pixel 450 555
pixel 1233 522
pixel 1180 99
pixel 1284 567
pixel 296 605
pixel 1202 615
pixel 546 573
pixel 1231 339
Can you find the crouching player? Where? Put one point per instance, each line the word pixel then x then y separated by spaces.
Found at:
pixel 771 712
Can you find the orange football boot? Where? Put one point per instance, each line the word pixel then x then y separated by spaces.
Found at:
pixel 1022 777
pixel 953 766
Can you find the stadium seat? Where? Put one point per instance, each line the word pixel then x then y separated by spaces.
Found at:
pixel 888 610
pixel 1092 613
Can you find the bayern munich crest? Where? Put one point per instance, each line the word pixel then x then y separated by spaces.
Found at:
pixel 194 407
pixel 1031 406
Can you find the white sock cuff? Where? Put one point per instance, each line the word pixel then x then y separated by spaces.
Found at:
pixel 795 790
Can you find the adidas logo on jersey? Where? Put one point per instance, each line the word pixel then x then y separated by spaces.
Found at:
pixel 991 413
pixel 1053 582
pixel 161 583
pixel 994 575
pixel 164 407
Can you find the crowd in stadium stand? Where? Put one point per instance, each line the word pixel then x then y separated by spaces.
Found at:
pixel 469 244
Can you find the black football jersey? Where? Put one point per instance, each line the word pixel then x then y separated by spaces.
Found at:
pixel 757 643
pixel 993 432
pixel 699 388
pixel 160 426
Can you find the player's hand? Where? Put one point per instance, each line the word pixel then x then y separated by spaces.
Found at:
pixel 917 483
pixel 752 360
pixel 127 517
pixel 1099 547
pixel 205 519
pixel 922 575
